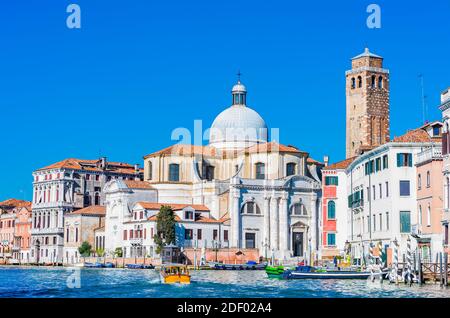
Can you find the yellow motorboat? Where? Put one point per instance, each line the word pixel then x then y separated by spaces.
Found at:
pixel 175 274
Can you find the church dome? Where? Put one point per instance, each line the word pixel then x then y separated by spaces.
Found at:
pixel 238 126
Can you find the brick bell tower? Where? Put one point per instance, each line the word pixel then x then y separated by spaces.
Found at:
pixel 367 99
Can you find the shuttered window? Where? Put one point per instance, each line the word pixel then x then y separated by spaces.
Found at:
pixel 405 222
pixel 444 143
pixel 331 181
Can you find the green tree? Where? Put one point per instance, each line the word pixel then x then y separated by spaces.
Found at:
pixel 165 228
pixel 100 252
pixel 118 252
pixel 85 249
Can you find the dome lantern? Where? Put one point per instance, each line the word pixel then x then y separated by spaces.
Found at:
pixel 239 92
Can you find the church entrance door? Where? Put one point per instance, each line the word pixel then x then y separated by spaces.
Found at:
pixel 297 243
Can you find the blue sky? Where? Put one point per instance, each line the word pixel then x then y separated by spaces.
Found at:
pixel 138 69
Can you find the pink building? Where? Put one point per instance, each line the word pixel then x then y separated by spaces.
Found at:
pixel 8 215
pixel 428 228
pixel 22 235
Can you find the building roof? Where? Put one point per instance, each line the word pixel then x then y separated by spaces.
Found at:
pixel 367 53
pixel 92 165
pixel 14 203
pixel 93 210
pixel 311 160
pixel 272 146
pixel 200 219
pixel 340 164
pixel 184 150
pixel 415 135
pixel 174 206
pixel 137 184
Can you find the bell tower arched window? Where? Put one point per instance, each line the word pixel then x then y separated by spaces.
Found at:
pixel 359 81
pixel 380 82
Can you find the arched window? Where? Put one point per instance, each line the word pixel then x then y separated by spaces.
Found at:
pixel 150 170
pixel 251 208
pixel 97 199
pixel 260 170
pixel 429 215
pixel 373 80
pixel 290 169
pixel 331 211
pixel 419 181
pixel 359 81
pixel 209 173
pixel 428 179
pixel 353 83
pixel 298 209
pixel 420 215
pixel 380 82
pixel 174 172
pixel 87 199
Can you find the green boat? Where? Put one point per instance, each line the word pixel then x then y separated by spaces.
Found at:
pixel 274 271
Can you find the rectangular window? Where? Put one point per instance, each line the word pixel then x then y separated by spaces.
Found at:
pixel 131 234
pixel 331 180
pixel 374 225
pixel 88 177
pixel 385 162
pixel 405 221
pixel 404 188
pixel 260 171
pixel 188 234
pixel 381 190
pixel 381 222
pixel 174 172
pixel 387 221
pixel 374 195
pixel 378 164
pixel 189 215
pixel 387 189
pixel 331 239
pixel 199 234
pixel 404 160
pixel 215 234
pixel 250 240
pixel 225 235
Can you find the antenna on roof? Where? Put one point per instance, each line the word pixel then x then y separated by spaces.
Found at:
pixel 424 105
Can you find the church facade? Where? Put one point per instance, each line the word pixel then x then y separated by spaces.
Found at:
pixel 269 192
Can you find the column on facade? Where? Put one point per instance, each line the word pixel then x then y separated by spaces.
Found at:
pixel 266 243
pixel 313 228
pixel 274 224
pixel 235 217
pixel 284 222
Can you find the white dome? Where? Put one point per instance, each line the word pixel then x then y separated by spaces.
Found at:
pixel 239 87
pixel 237 127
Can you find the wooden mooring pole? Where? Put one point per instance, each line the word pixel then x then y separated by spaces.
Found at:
pixel 441 270
pixel 420 269
pixel 446 269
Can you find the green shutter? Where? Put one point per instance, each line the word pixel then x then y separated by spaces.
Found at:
pixel 410 160
pixel 399 160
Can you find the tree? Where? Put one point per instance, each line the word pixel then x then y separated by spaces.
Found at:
pixel 100 252
pixel 85 249
pixel 165 228
pixel 118 252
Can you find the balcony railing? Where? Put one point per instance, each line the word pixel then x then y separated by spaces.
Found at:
pixel 429 154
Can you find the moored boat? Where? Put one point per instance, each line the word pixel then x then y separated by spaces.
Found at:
pixel 247 266
pixel 275 271
pixel 175 274
pixel 139 266
pixel 307 272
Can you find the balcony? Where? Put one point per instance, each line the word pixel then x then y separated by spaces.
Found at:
pixel 49 231
pixel 431 153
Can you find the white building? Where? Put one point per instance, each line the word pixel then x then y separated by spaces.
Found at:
pixel 445 108
pixel 270 192
pixel 381 187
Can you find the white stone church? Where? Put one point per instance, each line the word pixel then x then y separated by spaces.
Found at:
pixel 269 193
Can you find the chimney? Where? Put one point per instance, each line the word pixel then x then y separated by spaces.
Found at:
pixel 325 160
pixel 103 163
pixel 136 168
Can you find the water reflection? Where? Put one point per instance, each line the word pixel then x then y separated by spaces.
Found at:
pixel 51 282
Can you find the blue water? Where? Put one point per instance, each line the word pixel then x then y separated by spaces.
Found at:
pixel 52 282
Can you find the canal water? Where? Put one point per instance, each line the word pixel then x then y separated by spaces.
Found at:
pixel 89 283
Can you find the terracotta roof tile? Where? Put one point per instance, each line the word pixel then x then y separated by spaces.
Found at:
pixel 271 147
pixel 174 206
pixel 184 150
pixel 14 203
pixel 311 160
pixel 136 184
pixel 415 135
pixel 340 164
pixel 99 210
pixel 91 165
